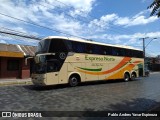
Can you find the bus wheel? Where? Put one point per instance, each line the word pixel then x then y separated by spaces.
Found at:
pixel 133 76
pixel 126 77
pixel 73 80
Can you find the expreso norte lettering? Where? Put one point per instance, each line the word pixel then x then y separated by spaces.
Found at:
pixel 99 58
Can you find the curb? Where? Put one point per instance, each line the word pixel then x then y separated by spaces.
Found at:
pixel 17 82
pixel 155 72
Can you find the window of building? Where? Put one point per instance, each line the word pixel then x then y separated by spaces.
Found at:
pixel 13 65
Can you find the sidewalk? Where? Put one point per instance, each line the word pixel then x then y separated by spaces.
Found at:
pixel 155 72
pixel 6 82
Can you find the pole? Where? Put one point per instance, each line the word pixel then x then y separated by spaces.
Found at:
pixel 143 48
pixel 144 53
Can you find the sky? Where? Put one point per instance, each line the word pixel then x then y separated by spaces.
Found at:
pixel 122 22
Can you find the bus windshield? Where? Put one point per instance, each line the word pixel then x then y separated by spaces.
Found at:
pixel 46 64
pixel 52 46
pixel 57 46
pixel 43 46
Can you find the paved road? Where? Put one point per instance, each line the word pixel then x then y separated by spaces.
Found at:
pixel 139 95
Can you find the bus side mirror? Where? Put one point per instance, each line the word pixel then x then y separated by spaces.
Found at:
pixel 36 59
pixel 26 59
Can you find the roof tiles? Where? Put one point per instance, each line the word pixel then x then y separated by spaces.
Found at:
pixel 25 49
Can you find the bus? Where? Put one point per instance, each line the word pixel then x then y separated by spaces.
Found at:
pixel 61 60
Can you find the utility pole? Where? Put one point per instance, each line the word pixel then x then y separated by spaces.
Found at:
pixel 144 46
pixel 144 52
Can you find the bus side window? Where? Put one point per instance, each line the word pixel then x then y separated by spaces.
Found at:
pixel 107 50
pixel 97 49
pixel 78 47
pixel 131 53
pixel 110 50
pixel 69 45
pixel 89 48
pixel 134 53
pixel 104 50
pixel 139 54
pixel 121 52
pixel 114 51
pixel 128 53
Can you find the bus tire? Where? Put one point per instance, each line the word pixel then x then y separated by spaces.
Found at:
pixel 74 80
pixel 126 77
pixel 133 76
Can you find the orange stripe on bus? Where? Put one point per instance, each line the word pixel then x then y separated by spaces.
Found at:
pixel 124 61
pixel 121 72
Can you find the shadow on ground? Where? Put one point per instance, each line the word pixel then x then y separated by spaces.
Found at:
pixel 139 105
pixel 52 87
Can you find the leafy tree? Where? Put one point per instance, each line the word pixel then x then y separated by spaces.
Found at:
pixel 155 8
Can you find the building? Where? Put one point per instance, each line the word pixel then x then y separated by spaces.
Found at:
pixel 12 61
pixel 158 59
pixel 153 63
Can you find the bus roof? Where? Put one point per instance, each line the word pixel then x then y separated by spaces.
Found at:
pixel 92 42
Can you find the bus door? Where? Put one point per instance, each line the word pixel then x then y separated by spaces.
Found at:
pixel 63 73
pixel 52 71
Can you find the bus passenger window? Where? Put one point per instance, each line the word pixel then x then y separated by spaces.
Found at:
pixel 114 51
pixel 69 45
pixel 97 49
pixel 89 48
pixel 106 50
pixel 78 47
pixel 121 52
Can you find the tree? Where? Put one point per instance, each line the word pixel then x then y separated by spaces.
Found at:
pixel 155 6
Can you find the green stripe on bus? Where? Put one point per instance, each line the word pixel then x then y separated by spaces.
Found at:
pixel 88 69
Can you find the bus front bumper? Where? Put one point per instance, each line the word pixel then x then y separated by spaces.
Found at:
pixel 38 79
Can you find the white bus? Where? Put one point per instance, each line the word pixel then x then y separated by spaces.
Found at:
pixel 61 60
